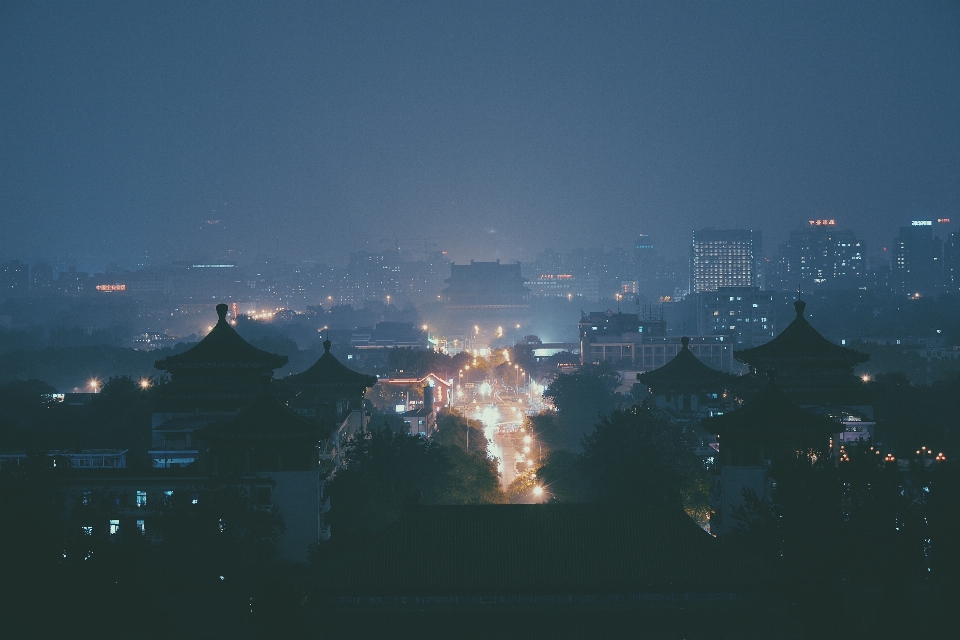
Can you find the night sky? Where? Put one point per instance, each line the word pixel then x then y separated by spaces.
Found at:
pixel 494 129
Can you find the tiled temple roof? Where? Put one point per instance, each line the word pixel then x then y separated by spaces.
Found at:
pixel 685 371
pixel 222 349
pixel 330 373
pixel 800 345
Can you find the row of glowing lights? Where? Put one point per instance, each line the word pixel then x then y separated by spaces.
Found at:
pixel 96 385
pixel 527 442
pixel 498 333
pixel 922 452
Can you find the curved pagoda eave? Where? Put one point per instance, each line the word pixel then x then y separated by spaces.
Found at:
pixel 800 346
pixel 223 349
pixel 329 373
pixel 685 372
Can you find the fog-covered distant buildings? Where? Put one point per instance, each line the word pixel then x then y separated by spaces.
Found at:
pixel 485 285
pixel 639 342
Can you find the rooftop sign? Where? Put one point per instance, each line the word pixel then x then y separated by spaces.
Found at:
pixel 822 223
pixel 111 287
pixel 922 223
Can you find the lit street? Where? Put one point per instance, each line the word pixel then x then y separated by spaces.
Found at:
pixel 501 416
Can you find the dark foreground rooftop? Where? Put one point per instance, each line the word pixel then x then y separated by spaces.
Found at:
pixel 565 570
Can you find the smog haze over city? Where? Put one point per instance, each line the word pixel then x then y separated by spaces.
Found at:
pixel 429 319
pixel 494 129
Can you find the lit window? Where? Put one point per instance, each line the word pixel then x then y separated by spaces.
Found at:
pixel 141 498
pixel 87 531
pixel 141 527
pixel 114 527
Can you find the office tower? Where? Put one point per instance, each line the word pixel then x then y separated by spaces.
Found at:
pixel 722 258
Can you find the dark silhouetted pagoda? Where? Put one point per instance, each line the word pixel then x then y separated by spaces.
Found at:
pixel 767 429
pixel 685 386
pixel 222 372
pixel 273 453
pixel 328 391
pixel 811 370
pixel 265 436
pixel 209 382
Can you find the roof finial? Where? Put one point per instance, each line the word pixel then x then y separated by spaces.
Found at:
pixel 326 346
pixel 685 341
pixel 222 312
pixel 799 305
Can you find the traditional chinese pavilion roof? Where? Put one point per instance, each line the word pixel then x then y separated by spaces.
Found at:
pixel 265 418
pixel 685 371
pixel 541 549
pixel 770 413
pixel 800 345
pixel 330 373
pixel 222 349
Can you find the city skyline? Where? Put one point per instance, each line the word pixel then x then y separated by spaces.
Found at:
pixel 495 131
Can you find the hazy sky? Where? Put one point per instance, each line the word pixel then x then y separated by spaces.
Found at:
pixel 494 129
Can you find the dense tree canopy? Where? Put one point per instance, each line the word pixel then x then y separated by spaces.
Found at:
pixel 385 472
pixel 581 398
pixel 453 430
pixel 116 418
pixel 632 457
pixel 860 525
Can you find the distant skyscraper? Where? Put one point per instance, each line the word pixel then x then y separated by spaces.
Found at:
pixel 645 261
pixel 820 255
pixel 917 259
pixel 722 258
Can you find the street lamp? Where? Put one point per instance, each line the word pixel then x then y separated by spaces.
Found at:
pixel 95 385
pixel 145 383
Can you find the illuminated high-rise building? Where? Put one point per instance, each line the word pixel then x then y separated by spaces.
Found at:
pixel 723 258
pixel 917 259
pixel 820 255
